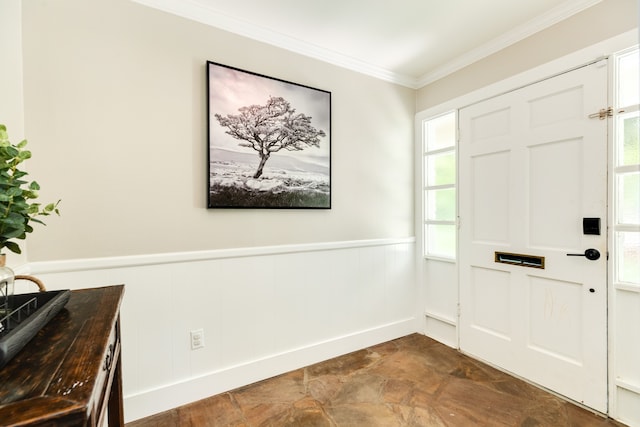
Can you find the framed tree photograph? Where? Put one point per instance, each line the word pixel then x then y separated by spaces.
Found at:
pixel 269 142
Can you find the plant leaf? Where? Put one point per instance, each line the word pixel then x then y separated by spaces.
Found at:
pixel 13 247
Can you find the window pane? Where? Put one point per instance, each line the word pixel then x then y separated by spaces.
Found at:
pixel 628 254
pixel 441 204
pixel 441 169
pixel 440 132
pixel 628 147
pixel 628 72
pixel 441 240
pixel 628 199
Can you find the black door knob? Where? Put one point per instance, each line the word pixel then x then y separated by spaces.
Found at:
pixel 592 254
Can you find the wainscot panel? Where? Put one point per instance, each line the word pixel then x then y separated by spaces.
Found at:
pixel 626 345
pixel 440 281
pixel 264 311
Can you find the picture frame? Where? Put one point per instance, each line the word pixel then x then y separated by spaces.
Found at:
pixel 269 142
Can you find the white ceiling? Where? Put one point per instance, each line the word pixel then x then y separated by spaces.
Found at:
pixel 410 42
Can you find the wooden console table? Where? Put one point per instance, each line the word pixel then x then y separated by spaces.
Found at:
pixel 69 374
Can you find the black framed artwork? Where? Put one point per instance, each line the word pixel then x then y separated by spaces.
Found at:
pixel 269 142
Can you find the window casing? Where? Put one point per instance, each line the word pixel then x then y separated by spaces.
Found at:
pixel 439 182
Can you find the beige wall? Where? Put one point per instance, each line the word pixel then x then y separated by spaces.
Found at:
pixel 11 98
pixel 602 21
pixel 115 115
pixel 11 71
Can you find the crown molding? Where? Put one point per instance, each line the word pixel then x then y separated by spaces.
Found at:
pixel 196 11
pixel 555 15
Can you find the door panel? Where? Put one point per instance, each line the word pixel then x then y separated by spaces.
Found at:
pixel 558 314
pixel 547 162
pixel 490 289
pixel 491 220
pixel 556 107
pixel 532 166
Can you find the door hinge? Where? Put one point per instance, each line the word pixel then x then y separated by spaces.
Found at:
pixel 602 114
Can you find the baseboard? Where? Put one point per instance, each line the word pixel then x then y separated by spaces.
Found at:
pixel 158 400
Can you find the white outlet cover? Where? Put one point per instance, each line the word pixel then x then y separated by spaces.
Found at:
pixel 197 339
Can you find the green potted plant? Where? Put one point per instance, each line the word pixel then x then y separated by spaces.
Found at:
pixel 18 208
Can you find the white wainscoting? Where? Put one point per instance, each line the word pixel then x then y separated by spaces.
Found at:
pixel 440 281
pixel 264 311
pixel 625 399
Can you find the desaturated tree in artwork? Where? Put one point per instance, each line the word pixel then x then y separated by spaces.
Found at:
pixel 270 128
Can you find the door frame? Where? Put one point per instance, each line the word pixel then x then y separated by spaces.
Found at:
pixel 447 331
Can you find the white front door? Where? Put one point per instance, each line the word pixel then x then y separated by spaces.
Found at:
pixel 532 166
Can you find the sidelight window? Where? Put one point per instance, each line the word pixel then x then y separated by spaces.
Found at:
pixel 627 169
pixel 439 142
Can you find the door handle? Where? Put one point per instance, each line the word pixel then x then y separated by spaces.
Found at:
pixel 592 254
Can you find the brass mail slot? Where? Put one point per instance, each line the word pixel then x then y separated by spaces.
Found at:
pixel 519 259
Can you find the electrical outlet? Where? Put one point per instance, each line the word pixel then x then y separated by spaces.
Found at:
pixel 197 339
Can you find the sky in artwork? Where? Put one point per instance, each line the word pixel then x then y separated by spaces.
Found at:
pixel 231 89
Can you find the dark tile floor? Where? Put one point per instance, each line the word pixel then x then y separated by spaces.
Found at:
pixel 411 381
